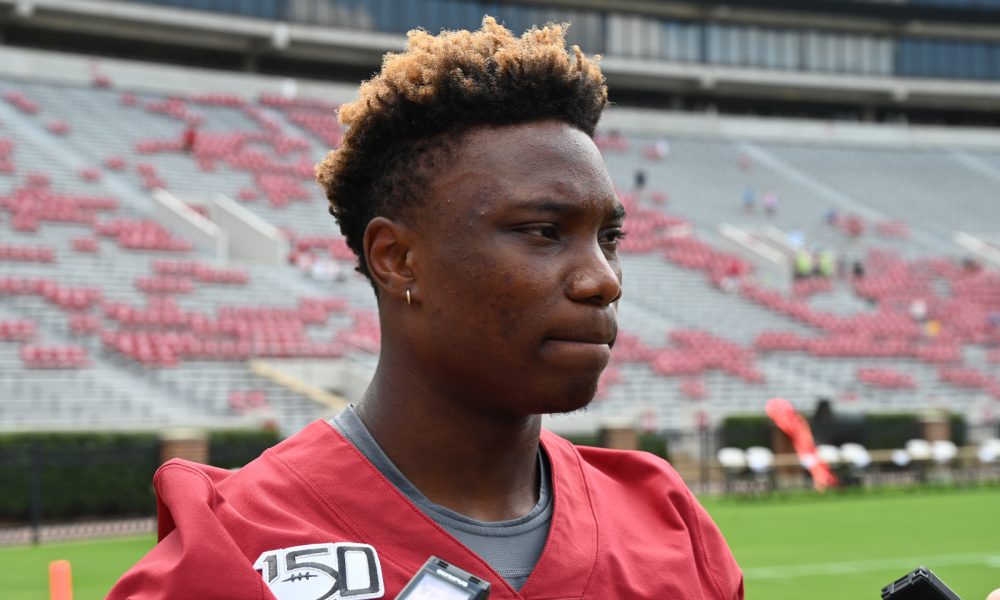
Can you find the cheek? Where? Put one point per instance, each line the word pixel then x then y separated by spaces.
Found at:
pixel 507 313
pixel 495 289
pixel 503 298
pixel 495 300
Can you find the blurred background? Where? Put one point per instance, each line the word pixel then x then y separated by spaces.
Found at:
pixel 813 191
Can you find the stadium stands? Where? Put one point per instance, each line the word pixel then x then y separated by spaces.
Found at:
pixel 110 317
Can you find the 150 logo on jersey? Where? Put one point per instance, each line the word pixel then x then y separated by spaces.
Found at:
pixel 322 572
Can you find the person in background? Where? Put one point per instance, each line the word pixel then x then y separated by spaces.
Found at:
pixel 189 138
pixel 662 149
pixel 770 203
pixel 826 264
pixel 749 199
pixel 640 183
pixel 804 264
pixel 832 217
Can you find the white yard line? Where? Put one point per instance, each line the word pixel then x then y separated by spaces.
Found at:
pixel 991 559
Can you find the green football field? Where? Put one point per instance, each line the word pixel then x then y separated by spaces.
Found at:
pixel 847 547
pixel 820 548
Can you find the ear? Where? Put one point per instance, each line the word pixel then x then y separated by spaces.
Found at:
pixel 388 252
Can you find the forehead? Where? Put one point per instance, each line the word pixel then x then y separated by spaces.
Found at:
pixel 494 166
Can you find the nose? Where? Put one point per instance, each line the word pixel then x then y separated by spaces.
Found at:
pixel 595 279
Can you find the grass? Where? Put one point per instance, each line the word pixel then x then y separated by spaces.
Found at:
pixel 849 546
pixel 96 566
pixel 836 547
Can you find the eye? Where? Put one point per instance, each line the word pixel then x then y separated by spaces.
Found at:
pixel 611 237
pixel 546 231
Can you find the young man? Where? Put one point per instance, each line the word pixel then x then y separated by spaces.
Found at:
pixel 480 209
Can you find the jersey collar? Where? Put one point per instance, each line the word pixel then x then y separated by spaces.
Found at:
pixel 379 513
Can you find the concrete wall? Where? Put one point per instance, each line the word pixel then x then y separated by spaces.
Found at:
pixel 809 131
pixel 74 69
pixel 56 67
pixel 250 238
pixel 183 220
pixel 980 247
pixel 346 378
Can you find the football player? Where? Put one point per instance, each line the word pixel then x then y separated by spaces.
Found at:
pixel 479 207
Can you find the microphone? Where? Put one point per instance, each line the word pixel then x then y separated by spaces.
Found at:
pixel 439 580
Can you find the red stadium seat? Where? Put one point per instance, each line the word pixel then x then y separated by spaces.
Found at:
pixel 53 357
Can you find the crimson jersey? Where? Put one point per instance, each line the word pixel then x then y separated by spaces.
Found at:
pixel 312 519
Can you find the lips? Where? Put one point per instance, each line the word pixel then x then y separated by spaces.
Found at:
pixel 589 334
pixel 598 340
pixel 573 356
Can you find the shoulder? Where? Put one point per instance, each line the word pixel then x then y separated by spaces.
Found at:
pixel 306 445
pixel 646 483
pixel 187 488
pixel 641 497
pixel 636 471
pixel 181 480
pixel 213 523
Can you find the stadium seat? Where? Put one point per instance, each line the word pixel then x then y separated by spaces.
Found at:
pixel 17 331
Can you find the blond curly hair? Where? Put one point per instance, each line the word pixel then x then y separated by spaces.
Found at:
pixel 410 115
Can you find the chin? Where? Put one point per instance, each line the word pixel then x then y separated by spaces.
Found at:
pixel 575 394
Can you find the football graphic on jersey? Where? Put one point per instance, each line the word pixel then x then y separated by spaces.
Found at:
pixel 322 572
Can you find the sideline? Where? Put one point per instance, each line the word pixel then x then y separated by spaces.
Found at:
pixel 21 535
pixel 75 543
pixel 990 559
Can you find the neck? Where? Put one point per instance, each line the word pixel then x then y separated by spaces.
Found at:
pixel 478 464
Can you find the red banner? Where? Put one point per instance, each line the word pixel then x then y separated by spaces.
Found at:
pixel 797 429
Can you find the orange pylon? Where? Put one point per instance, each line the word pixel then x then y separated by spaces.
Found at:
pixel 60 580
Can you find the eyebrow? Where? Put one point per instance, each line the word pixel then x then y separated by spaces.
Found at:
pixel 562 208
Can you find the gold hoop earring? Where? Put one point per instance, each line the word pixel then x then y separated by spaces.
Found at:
pixel 409 299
